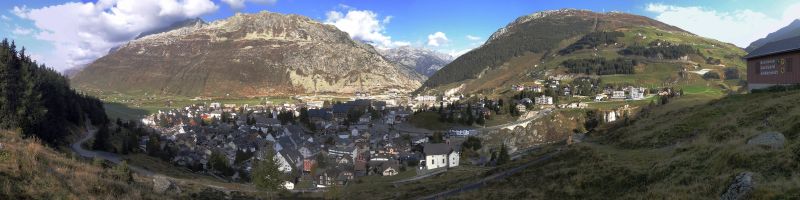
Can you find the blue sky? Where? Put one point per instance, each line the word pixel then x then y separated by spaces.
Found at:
pixel 66 33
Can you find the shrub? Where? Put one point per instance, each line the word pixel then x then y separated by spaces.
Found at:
pixel 711 75
pixel 731 73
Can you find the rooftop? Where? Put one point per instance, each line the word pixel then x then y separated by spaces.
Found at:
pixel 436 149
pixel 776 47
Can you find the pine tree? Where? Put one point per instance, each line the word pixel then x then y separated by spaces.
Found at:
pixel 503 157
pixel 101 139
pixel 267 175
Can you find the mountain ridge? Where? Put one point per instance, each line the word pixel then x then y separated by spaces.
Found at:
pixel 263 54
pixel 788 31
pixel 528 49
pixel 423 61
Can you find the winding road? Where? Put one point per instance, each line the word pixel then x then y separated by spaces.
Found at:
pixel 116 159
pixel 77 147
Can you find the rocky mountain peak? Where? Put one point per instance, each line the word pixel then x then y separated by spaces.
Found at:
pixel 421 60
pixel 248 55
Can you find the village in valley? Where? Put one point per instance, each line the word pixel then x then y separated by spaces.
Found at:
pixel 321 143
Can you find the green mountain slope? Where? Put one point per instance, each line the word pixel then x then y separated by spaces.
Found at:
pixel 535 47
pixel 683 150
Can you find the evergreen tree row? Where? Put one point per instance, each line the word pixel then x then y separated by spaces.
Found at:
pixel 600 66
pixel 39 101
pixel 592 40
pixel 660 52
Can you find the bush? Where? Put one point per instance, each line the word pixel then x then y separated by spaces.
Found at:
pixel 731 73
pixel 777 88
pixel 711 75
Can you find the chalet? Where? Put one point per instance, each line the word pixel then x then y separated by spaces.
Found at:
pixel 774 64
pixel 637 93
pixel 288 160
pixel 439 156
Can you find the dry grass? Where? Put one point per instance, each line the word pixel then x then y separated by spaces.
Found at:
pixel 29 170
pixel 678 151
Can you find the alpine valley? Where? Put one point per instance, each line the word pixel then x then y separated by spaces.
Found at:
pixel 555 104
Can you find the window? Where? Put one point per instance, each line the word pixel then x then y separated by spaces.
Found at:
pixel 788 64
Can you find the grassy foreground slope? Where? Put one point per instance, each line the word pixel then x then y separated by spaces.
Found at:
pixel 687 152
pixel 30 170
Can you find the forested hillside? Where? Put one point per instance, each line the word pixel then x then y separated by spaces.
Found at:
pixel 38 100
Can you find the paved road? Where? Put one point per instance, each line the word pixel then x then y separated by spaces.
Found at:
pixel 482 182
pixel 538 115
pixel 116 159
pixel 112 157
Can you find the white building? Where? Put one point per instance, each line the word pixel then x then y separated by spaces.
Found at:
pixel 618 94
pixel 288 185
pixel 543 100
pixel 453 158
pixel 637 93
pixel 439 156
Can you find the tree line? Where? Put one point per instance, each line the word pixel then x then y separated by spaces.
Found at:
pixel 39 101
pixel 600 66
pixel 592 40
pixel 660 52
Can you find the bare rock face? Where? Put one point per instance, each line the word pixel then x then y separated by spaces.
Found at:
pixel 262 54
pixel 741 188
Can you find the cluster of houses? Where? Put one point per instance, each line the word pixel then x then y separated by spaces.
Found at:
pixel 326 151
pixel 626 93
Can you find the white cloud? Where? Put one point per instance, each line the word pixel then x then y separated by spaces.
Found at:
pixel 240 4
pixel 4 17
pixel 740 27
pixel 83 32
pixel 437 39
pixel 473 38
pixel 20 12
pixel 457 53
pixel 22 31
pixel 363 25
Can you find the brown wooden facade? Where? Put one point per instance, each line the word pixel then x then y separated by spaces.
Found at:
pixel 775 69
